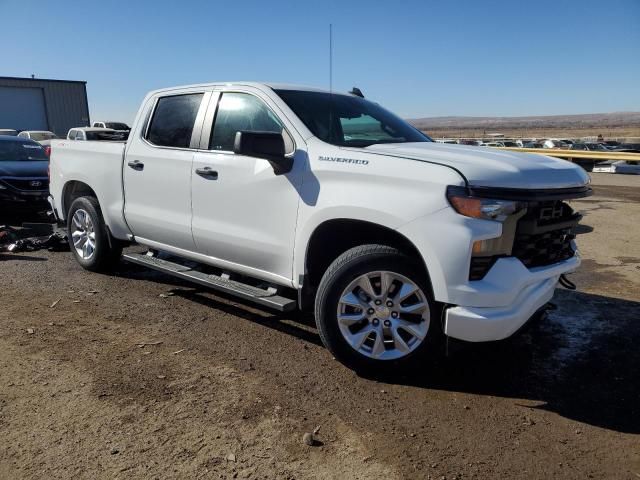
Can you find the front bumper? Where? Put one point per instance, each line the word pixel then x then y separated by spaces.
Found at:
pixel 535 289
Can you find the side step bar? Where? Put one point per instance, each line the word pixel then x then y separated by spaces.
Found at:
pixel 265 297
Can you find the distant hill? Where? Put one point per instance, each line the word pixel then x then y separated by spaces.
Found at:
pixel 590 120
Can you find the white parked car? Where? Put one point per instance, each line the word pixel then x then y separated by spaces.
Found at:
pixel 90 133
pixel 43 137
pixel 617 166
pixel 552 143
pixel 292 197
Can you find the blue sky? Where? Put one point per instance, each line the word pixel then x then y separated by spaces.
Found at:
pixel 417 58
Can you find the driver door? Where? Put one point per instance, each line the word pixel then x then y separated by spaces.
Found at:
pixel 244 215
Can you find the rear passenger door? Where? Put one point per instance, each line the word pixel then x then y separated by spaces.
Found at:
pixel 157 170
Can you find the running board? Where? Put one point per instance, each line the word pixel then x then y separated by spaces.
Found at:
pixel 265 297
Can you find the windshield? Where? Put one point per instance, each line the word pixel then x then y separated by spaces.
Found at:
pixel 117 126
pixel 348 120
pixel 39 136
pixel 12 151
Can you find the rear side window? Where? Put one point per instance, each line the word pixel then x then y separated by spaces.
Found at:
pixel 242 112
pixel 173 120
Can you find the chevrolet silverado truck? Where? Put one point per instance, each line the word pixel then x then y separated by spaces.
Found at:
pixel 293 197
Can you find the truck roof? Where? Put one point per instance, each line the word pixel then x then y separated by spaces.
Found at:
pixel 261 85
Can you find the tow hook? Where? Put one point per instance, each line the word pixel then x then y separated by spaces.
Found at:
pixel 566 283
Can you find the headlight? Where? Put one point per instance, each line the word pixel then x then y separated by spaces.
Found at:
pixel 478 207
pixel 2 187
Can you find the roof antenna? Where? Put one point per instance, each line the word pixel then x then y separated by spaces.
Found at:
pixel 330 58
pixel 357 92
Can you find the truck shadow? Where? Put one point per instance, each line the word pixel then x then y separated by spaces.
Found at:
pixel 582 362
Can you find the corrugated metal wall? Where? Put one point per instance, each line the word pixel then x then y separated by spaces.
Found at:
pixel 66 103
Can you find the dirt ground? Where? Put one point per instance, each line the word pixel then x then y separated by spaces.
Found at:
pixel 137 375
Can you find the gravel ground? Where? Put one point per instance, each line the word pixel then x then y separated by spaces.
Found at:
pixel 138 375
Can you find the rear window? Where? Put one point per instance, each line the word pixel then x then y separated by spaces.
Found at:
pixel 12 151
pixel 173 120
pixel 117 126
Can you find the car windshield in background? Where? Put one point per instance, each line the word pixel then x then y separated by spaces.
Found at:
pixel 12 151
pixel 117 126
pixel 597 147
pixel 348 120
pixel 39 136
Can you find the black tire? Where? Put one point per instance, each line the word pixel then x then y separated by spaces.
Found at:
pixel 345 269
pixel 107 252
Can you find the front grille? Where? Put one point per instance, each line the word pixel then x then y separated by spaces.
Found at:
pixel 480 266
pixel 544 234
pixel 542 237
pixel 544 249
pixel 39 184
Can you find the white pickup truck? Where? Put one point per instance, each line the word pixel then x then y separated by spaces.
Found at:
pixel 294 197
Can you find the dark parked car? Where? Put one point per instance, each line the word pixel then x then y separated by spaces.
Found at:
pixel 590 147
pixel 24 180
pixel 628 147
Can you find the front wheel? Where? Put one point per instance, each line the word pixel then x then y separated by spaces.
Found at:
pixel 89 237
pixel 374 311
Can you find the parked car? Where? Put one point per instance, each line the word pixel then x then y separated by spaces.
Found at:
pixel 42 137
pixel 39 136
pixel 612 144
pixel 92 133
pixel 509 143
pixel 8 132
pixel 117 126
pixel 533 145
pixel 628 147
pixel 618 166
pixel 493 144
pixel 552 143
pixel 591 147
pixel 24 180
pixel 388 237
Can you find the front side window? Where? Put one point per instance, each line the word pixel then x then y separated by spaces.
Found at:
pixel 173 120
pixel 351 121
pixel 243 112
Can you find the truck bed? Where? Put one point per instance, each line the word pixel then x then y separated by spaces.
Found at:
pixel 97 164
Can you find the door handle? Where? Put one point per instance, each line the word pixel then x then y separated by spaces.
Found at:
pixel 136 165
pixel 207 172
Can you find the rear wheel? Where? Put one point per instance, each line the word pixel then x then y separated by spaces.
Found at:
pixel 89 237
pixel 374 310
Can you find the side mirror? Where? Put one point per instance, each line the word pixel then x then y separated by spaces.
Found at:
pixel 266 145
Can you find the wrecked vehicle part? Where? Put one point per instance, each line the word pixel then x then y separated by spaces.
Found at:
pixel 14 240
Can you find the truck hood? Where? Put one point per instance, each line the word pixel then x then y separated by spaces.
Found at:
pixel 24 169
pixel 490 167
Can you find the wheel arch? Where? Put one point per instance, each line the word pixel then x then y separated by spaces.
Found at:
pixel 72 190
pixel 333 237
